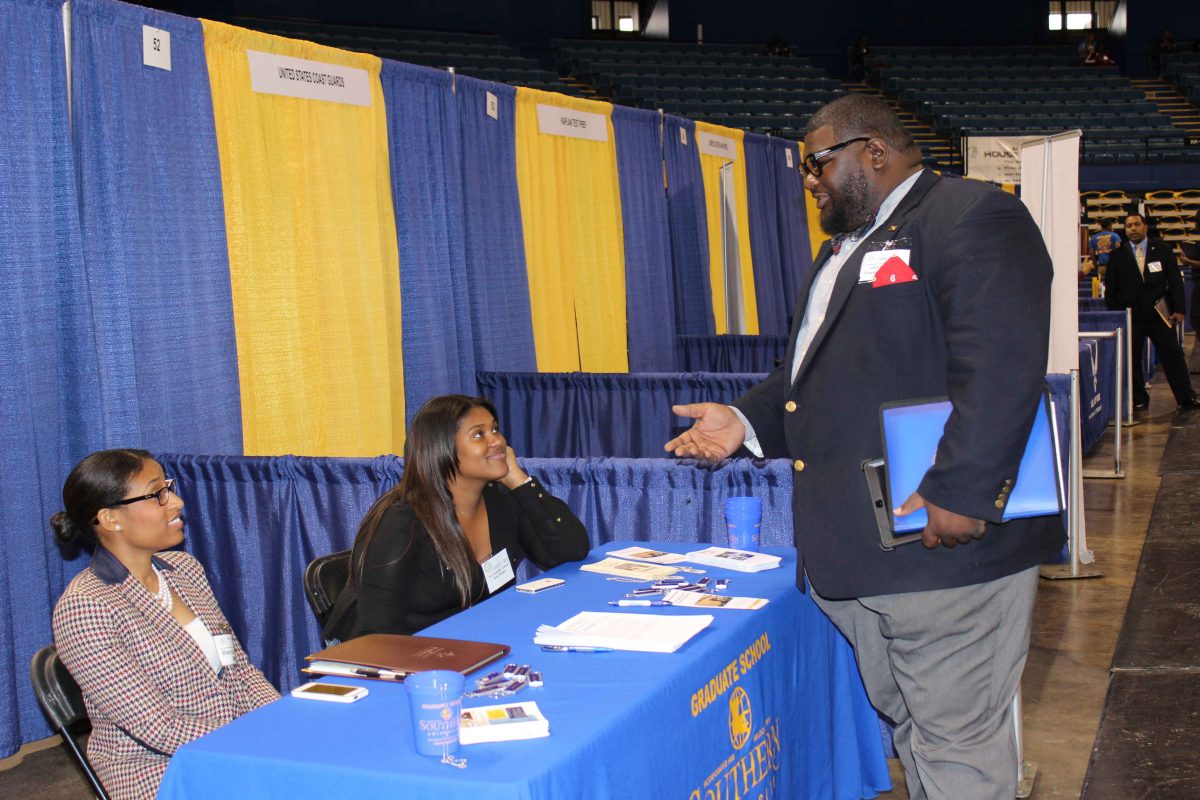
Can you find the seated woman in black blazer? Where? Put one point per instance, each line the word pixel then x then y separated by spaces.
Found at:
pixel 452 533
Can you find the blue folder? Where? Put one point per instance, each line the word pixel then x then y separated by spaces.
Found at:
pixel 911 433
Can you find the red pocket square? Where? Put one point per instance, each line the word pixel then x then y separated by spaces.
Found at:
pixel 894 270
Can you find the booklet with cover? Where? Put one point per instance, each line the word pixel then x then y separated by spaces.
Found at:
pixel 392 656
pixel 731 558
pixel 507 722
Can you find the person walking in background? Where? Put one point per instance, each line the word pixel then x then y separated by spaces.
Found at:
pixel 1142 276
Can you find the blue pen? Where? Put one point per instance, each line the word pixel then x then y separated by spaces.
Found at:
pixel 562 648
pixel 630 603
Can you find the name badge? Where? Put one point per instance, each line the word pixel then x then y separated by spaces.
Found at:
pixel 225 649
pixel 498 571
pixel 1154 266
pixel 875 259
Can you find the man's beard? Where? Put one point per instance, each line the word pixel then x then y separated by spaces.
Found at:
pixel 851 209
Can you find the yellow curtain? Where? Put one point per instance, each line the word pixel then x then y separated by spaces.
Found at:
pixel 710 168
pixel 312 255
pixel 574 240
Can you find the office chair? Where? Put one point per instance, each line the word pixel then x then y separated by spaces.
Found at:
pixel 62 703
pixel 324 578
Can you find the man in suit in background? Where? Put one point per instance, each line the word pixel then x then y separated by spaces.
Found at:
pixel 930 286
pixel 1141 272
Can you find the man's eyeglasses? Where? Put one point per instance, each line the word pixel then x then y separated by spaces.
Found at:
pixel 162 495
pixel 814 163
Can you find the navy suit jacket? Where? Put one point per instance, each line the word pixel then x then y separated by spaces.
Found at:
pixel 1125 287
pixel 973 326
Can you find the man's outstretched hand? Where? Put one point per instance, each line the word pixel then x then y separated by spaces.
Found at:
pixel 717 433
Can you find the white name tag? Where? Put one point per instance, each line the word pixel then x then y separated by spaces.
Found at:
pixel 712 145
pixel 311 80
pixel 225 650
pixel 1154 266
pixel 498 571
pixel 558 121
pixel 875 259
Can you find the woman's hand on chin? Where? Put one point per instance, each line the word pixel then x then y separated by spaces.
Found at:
pixel 516 476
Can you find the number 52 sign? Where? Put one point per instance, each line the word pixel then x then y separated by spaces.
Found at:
pixel 156 48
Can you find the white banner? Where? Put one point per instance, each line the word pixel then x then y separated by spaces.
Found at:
pixel 311 80
pixel 712 145
pixel 557 121
pixel 994 158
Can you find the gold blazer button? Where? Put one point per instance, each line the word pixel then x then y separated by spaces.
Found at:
pixel 790 406
pixel 799 465
pixel 999 504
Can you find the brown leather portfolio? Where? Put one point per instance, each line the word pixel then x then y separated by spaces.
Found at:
pixel 392 656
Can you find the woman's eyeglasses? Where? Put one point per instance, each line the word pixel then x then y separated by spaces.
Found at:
pixel 162 495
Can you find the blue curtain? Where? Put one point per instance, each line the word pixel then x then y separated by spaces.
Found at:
pixel 649 289
pixel 795 253
pixel 48 416
pixel 427 190
pixel 498 286
pixel 153 223
pixel 688 222
pixel 575 415
pixel 255 522
pixel 730 353
pixel 761 192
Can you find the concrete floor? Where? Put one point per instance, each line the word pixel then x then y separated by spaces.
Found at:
pixel 1076 624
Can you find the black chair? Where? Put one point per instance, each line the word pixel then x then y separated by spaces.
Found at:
pixel 324 578
pixel 62 703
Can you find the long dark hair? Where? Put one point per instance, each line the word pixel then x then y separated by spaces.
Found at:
pixel 97 482
pixel 430 463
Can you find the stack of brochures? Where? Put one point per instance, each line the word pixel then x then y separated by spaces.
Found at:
pixel 503 723
pixel 644 633
pixel 737 560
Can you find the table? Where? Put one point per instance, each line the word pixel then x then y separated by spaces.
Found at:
pixel 621 724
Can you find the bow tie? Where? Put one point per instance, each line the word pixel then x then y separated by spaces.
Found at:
pixel 837 241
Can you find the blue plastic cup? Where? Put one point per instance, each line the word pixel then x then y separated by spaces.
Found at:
pixel 435 701
pixel 743 521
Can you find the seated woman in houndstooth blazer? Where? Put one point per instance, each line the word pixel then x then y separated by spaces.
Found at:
pixel 140 630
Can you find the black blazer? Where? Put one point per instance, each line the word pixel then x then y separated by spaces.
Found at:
pixel 1124 286
pixel 974 326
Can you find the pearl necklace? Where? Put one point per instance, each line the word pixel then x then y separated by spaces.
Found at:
pixel 163 595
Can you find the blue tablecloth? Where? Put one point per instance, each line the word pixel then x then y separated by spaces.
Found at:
pixel 622 724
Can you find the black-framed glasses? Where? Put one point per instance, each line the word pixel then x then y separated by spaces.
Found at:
pixel 162 495
pixel 813 163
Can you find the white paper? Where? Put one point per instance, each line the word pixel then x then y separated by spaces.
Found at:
pixel 646 554
pixel 493 106
pixel 312 80
pixel 630 569
pixel 678 597
pixel 788 153
pixel 644 633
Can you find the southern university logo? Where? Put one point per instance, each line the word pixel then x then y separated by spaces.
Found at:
pixel 740 718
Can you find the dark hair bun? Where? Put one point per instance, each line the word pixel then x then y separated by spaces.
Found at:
pixel 64 529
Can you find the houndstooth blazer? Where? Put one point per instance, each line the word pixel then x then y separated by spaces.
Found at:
pixel 147 686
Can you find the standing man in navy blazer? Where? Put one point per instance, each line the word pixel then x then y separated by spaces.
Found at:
pixel 1141 272
pixel 931 286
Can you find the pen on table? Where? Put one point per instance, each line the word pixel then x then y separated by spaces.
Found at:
pixel 562 648
pixel 382 674
pixel 629 603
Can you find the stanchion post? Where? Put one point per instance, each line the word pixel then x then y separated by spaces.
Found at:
pixel 1072 569
pixel 1026 770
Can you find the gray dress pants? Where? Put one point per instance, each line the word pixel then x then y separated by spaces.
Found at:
pixel 943 666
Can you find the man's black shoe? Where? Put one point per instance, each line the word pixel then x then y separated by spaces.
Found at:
pixel 1191 404
pixel 1141 405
